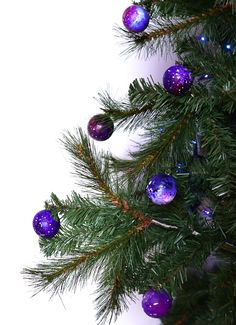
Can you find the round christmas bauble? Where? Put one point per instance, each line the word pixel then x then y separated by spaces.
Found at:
pixel 45 225
pixel 136 18
pixel 161 189
pixel 100 127
pixel 177 80
pixel 156 304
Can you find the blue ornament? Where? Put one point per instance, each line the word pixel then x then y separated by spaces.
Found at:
pixel 157 304
pixel 177 80
pixel 136 18
pixel 161 189
pixel 45 225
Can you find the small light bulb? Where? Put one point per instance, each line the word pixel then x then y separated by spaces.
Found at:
pixel 228 47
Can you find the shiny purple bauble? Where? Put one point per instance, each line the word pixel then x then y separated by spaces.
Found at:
pixel 157 304
pixel 45 225
pixel 161 189
pixel 177 80
pixel 100 127
pixel 136 18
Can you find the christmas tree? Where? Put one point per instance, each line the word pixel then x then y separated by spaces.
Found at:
pixel 161 223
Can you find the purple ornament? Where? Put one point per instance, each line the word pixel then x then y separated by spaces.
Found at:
pixel 136 18
pixel 100 127
pixel 161 189
pixel 156 304
pixel 177 80
pixel 45 225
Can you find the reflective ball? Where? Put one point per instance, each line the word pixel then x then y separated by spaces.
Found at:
pixel 177 80
pixel 161 189
pixel 136 18
pixel 157 304
pixel 100 127
pixel 45 225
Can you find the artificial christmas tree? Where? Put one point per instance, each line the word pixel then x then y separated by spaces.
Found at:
pixel 120 234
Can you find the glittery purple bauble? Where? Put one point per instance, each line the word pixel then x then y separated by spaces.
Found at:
pixel 100 127
pixel 45 225
pixel 135 18
pixel 161 189
pixel 156 304
pixel 177 80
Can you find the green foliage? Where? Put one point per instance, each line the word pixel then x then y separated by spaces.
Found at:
pixel 86 162
pixel 172 21
pixel 116 235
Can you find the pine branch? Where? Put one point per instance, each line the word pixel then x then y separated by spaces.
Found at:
pixel 82 221
pixel 154 150
pixel 59 274
pixel 82 153
pixel 221 147
pixel 87 164
pixel 113 298
pixel 230 3
pixel 164 32
pixel 147 101
pixel 186 23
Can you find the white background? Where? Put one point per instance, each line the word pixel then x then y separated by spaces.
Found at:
pixel 55 56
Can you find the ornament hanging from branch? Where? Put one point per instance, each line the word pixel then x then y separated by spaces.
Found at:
pixel 45 224
pixel 157 304
pixel 177 80
pixel 136 18
pixel 161 189
pixel 100 127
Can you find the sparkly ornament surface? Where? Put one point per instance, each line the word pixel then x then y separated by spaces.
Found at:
pixel 136 19
pixel 161 189
pixel 100 127
pixel 177 80
pixel 45 225
pixel 156 304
